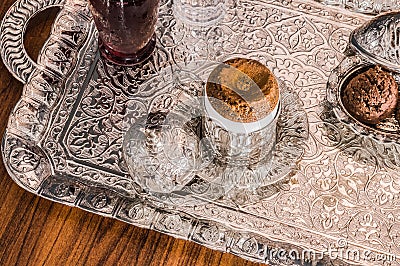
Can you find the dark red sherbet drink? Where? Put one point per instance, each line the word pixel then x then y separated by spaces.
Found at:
pixel 126 28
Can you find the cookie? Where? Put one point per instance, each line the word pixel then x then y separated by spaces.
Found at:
pixel 371 96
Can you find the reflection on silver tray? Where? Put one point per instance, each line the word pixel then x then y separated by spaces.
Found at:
pixel 387 130
pixel 165 155
pixel 64 137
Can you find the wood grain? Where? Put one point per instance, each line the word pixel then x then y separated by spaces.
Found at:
pixel 35 231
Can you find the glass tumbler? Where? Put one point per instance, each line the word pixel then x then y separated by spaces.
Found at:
pixel 126 29
pixel 199 12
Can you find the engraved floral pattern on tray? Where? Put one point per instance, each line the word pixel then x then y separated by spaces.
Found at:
pixel 64 137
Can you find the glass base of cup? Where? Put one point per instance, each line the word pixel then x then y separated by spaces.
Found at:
pixel 127 59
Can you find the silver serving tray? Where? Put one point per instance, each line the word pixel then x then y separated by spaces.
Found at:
pixel 63 140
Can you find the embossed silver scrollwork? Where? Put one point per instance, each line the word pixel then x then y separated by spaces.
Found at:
pixel 12 31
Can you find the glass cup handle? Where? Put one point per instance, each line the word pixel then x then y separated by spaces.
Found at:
pixel 12 31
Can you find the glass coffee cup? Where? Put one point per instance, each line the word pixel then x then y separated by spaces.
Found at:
pixel 242 103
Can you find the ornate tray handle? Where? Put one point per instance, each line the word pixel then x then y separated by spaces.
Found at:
pixel 12 32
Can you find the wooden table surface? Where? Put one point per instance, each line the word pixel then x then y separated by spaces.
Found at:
pixel 35 231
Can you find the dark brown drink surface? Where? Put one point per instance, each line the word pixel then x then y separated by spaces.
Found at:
pixel 243 90
pixel 125 26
